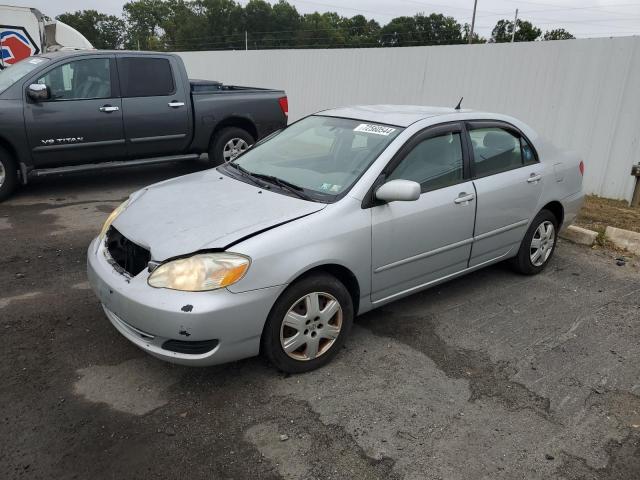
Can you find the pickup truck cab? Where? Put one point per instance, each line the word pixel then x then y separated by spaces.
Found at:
pixel 71 111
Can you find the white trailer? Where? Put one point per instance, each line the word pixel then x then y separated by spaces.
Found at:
pixel 26 31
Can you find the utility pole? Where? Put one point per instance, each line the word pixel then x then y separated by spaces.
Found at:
pixel 515 24
pixel 473 21
pixel 246 40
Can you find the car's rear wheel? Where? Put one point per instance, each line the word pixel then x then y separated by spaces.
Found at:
pixel 8 174
pixel 308 324
pixel 228 144
pixel 538 244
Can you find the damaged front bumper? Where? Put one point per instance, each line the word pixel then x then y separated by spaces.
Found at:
pixel 189 328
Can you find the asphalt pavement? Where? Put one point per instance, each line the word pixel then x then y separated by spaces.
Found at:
pixel 491 376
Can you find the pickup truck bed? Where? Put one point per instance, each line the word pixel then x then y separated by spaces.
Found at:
pixel 71 111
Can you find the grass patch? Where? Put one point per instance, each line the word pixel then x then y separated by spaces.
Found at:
pixel 598 213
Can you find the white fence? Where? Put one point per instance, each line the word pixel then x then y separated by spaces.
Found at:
pixel 582 94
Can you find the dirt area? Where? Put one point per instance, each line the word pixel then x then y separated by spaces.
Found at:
pixel 491 376
pixel 599 213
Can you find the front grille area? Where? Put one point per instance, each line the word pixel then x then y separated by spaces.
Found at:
pixel 130 257
pixel 191 348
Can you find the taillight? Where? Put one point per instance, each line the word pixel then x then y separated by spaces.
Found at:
pixel 284 105
pixel 581 168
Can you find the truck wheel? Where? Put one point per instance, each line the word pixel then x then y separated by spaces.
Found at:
pixel 308 324
pixel 8 174
pixel 228 144
pixel 538 244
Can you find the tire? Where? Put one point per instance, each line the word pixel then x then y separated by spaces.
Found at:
pixel 323 334
pixel 227 144
pixel 8 174
pixel 538 245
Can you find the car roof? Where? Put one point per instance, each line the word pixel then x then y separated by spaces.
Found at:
pixel 398 115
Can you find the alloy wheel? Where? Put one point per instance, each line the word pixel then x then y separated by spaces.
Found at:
pixel 542 243
pixel 233 148
pixel 311 326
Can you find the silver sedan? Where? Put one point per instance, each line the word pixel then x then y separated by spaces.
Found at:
pixel 343 211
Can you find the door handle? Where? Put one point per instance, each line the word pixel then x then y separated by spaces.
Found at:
pixel 534 178
pixel 464 199
pixel 109 109
pixel 175 104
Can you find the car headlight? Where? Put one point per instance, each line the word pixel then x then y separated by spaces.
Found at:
pixel 112 218
pixel 201 272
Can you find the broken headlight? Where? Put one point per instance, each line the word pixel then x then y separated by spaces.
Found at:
pixel 201 272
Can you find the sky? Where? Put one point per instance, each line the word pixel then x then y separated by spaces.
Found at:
pixel 588 18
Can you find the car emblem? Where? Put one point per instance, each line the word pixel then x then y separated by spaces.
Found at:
pixel 16 44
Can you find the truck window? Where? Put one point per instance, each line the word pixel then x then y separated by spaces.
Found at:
pixel 145 77
pixel 11 75
pixel 80 79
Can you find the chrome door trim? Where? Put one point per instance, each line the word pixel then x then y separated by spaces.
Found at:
pixel 441 279
pixel 157 138
pixel 500 230
pixel 421 256
pixel 74 146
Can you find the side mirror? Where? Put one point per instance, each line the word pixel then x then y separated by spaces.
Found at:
pixel 399 191
pixel 38 92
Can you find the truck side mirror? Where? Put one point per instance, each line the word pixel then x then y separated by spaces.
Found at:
pixel 38 92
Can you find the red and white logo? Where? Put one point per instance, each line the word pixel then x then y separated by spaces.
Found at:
pixel 16 44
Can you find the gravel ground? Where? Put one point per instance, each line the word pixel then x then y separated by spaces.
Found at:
pixel 493 375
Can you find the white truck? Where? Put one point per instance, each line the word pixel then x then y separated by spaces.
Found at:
pixel 26 31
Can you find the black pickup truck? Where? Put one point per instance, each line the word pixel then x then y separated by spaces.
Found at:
pixel 72 111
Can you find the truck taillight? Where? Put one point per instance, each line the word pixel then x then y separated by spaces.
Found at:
pixel 284 105
pixel 581 168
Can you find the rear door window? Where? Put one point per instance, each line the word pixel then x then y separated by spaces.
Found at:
pixel 145 77
pixel 497 149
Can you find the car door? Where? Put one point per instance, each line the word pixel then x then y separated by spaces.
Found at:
pixel 156 111
pixel 82 120
pixel 508 182
pixel 415 243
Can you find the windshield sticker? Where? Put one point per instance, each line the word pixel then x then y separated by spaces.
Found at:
pixel 325 186
pixel 376 129
pixel 335 188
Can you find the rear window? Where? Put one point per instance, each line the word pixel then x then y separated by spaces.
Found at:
pixel 145 77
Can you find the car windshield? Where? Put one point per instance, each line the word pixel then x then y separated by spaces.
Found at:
pixel 12 74
pixel 322 156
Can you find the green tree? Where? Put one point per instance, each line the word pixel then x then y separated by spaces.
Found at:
pixel 557 34
pixel 525 31
pixel 144 18
pixel 434 29
pixel 466 30
pixel 103 31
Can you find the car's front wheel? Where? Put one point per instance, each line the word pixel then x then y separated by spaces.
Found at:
pixel 8 175
pixel 308 324
pixel 538 244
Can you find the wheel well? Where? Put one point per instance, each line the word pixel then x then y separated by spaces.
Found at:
pixel 9 148
pixel 239 122
pixel 557 209
pixel 343 274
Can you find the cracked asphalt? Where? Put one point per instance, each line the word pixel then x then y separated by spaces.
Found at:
pixel 491 376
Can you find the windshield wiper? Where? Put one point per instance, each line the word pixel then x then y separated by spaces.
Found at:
pixel 246 173
pixel 291 187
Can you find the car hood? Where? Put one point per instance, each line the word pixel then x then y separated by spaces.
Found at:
pixel 205 210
